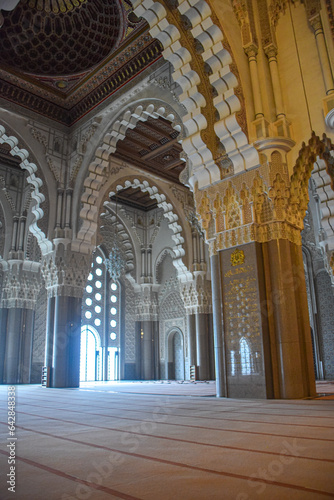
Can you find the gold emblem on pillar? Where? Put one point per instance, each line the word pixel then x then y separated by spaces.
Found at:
pixel 237 257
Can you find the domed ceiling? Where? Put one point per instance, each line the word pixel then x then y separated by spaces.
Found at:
pixel 61 58
pixel 60 37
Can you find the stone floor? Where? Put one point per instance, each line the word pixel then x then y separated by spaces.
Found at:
pixel 161 441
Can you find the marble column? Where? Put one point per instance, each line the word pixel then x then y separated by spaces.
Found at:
pixel 156 346
pixel 66 342
pixel 191 327
pixel 251 52
pixel 218 332
pixel 271 52
pixel 13 341
pixel 3 328
pixel 28 318
pixel 293 371
pixel 49 332
pixel 202 347
pixel 147 350
pixel 323 55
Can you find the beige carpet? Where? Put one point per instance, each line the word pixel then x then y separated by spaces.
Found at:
pixel 102 443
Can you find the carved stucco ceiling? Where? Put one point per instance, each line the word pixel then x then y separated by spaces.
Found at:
pixel 61 58
pixel 55 43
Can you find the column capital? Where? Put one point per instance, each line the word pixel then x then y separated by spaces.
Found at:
pixel 21 284
pixel 65 272
pixel 271 51
pixel 316 24
pixel 197 295
pixel 251 50
pixel 147 307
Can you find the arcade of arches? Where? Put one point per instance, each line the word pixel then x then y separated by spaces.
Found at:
pixel 166 202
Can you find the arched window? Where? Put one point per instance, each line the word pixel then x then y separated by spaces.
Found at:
pixel 101 312
pixel 245 357
pixel 90 355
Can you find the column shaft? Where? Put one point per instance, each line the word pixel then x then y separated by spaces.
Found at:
pixel 49 332
pixel 191 327
pixel 218 335
pixel 202 346
pixel 147 350
pixel 66 342
pixel 289 320
pixel 273 67
pixel 28 318
pixel 3 331
pixel 323 56
pixel 13 341
pixel 255 85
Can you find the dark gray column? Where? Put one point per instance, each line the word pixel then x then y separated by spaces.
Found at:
pixel 3 330
pixel 212 369
pixel 191 327
pixel 156 358
pixel 202 346
pixel 138 350
pixel 49 332
pixel 147 350
pixel 14 325
pixel 66 342
pixel 28 317
pixel 217 316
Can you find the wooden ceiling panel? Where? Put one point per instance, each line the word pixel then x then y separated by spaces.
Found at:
pixel 153 145
pixel 135 198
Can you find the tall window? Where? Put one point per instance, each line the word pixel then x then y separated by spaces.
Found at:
pixel 245 357
pixel 101 313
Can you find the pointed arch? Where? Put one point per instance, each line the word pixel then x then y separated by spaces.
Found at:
pixel 169 213
pixel 98 170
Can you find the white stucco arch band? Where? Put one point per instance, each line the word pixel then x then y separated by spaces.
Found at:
pixel 217 60
pixel 36 182
pixel 98 169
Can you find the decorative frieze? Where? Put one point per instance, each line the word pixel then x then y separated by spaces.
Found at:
pixel 263 204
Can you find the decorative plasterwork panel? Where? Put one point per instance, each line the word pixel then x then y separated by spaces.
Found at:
pixel 21 284
pixel 65 272
pixel 265 204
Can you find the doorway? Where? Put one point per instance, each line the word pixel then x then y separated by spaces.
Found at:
pixel 90 355
pixel 175 361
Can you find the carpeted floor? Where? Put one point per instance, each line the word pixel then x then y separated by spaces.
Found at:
pixel 138 441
